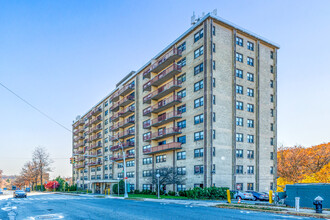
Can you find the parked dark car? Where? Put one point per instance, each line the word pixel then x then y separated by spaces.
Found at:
pixel 19 194
pixel 1 192
pixel 259 196
pixel 27 190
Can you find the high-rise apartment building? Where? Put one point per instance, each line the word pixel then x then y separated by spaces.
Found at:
pixel 206 106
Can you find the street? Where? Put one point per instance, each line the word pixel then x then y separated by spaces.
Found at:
pixel 57 206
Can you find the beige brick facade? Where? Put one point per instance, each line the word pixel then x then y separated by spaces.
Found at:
pixel 155 93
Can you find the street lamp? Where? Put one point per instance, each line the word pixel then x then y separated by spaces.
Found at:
pixel 157 175
pixel 118 185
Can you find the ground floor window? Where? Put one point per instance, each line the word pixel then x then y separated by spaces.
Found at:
pixel 239 186
pixel 181 188
pixel 147 187
pixel 250 186
pixel 131 187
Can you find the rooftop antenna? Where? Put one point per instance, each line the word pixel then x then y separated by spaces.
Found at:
pixel 193 19
pixel 215 12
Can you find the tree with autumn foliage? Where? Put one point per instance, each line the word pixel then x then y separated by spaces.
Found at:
pixel 52 185
pixel 303 165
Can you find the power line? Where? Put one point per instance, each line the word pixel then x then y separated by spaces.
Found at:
pixel 35 108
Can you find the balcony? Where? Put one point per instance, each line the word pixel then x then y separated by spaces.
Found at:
pixel 95 137
pixel 166 103
pixel 127 100
pixel 125 145
pixel 80 158
pixel 78 152
pixel 147 111
pixel 94 146
pixel 76 132
pixel 97 119
pixel 114 107
pixel 147 124
pixel 120 157
pixel 78 138
pixel 89 123
pixel 95 163
pixel 90 114
pixel 162 91
pixel 166 132
pixel 166 60
pixel 96 111
pixel 79 145
pixel 81 130
pixel 127 111
pixel 96 128
pixel 147 74
pixel 163 148
pixel 79 122
pixel 78 166
pixel 123 124
pixel 115 117
pixel 126 134
pixel 165 118
pixel 127 89
pixel 114 97
pixel 147 137
pixel 95 154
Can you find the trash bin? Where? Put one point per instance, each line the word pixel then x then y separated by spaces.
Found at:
pixel 318 204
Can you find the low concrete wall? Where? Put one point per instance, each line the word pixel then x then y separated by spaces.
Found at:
pixel 307 194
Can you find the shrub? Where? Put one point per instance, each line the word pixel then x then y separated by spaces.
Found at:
pixel 171 193
pixel 206 193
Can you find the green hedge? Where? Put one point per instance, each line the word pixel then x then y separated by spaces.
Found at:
pixel 206 193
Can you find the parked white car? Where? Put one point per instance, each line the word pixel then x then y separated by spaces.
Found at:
pixel 243 195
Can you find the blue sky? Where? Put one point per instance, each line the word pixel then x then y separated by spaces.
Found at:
pixel 64 56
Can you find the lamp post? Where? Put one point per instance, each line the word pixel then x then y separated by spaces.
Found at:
pixel 157 175
pixel 118 185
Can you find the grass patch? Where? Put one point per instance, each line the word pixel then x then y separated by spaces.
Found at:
pixel 249 207
pixel 144 196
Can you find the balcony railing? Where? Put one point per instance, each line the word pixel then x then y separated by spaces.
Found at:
pixel 94 146
pixel 96 128
pixel 147 111
pixel 97 119
pixel 95 137
pixel 123 124
pixel 127 89
pixel 79 122
pixel 163 133
pixel 128 110
pixel 115 117
pixel 120 157
pixel 147 74
pixel 114 107
pixel 162 91
pixel 89 123
pixel 95 154
pixel 125 145
pixel 79 166
pixel 78 138
pixel 163 148
pixel 147 124
pixel 166 60
pixel 96 111
pixel 76 132
pixel 95 163
pixel 126 134
pixel 165 118
pixel 166 103
pixel 80 158
pixel 127 100
pixel 147 137
pixel 78 152
pixel 79 145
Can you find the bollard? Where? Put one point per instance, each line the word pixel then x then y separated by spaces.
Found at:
pixel 270 196
pixel 87 191
pixel 228 196
pixel 297 205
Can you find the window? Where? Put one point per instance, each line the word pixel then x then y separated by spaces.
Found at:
pixel 250 138
pixel 106 103
pixel 250 169
pixel 182 47
pixel 239 57
pixel 271 55
pixel 181 187
pixel 181 109
pixel 271 126
pixel 213 134
pixel 182 62
pixel 147 173
pixel 106 176
pixel 250 61
pixel 199 35
pixel 250 123
pixel 213 30
pixel 106 140
pixel 199 68
pixel 239 89
pixel 239 137
pixel 239 121
pixel 199 85
pixel 182 78
pixel 106 130
pixel 199 152
pixel 182 139
pixel 105 158
pixel 213 117
pixel 161 158
pixel 213 82
pixel 272 155
pixel 271 69
pixel 93 169
pixel 213 47
pixel 213 64
pixel 181 155
pixel 131 187
pixel 147 160
pixel 213 168
pixel 198 169
pixel 239 153
pixel 147 187
pixel 239 41
pixel 250 92
pixel 250 107
pixel 105 167
pixel 239 105
pixel 250 154
pixel 239 73
pixel 130 174
pixel 272 141
pixel 199 119
pixel 199 52
pixel 181 124
pixel 199 102
pixel 130 163
pixel 182 93
pixel 239 169
pixel 146 123
pixel 213 99
pixel 271 98
pixel 106 122
pixel 106 112
pixel 250 186
pixel 250 46
pixel 120 165
pixel 199 135
pixel 181 170
pixel 272 112
pixel 271 186
pixel 250 77
pixel 271 170
pixel 120 175
pixel 213 151
pixel 271 84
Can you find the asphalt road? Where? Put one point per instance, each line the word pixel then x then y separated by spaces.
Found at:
pixel 56 206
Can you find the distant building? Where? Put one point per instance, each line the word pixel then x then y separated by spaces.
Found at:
pixel 205 105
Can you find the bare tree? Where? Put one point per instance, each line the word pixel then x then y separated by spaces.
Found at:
pixel 42 161
pixel 30 173
pixel 168 175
